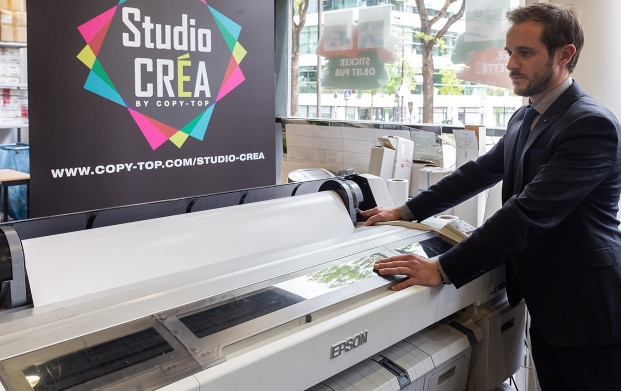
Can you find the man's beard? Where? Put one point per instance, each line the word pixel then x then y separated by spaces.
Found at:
pixel 537 83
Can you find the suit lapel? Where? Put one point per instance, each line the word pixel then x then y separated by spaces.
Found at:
pixel 542 125
pixel 553 113
pixel 513 132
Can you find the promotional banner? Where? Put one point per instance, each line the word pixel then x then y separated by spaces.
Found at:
pixel 356 52
pixel 134 101
pixel 481 47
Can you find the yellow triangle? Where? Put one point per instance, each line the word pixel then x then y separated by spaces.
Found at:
pixel 239 53
pixel 179 138
pixel 87 57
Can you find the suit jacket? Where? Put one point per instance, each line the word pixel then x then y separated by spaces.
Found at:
pixel 557 230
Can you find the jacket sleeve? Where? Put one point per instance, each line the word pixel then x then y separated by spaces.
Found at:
pixel 467 181
pixel 581 158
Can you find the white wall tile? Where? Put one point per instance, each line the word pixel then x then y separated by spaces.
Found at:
pixel 299 141
pixel 358 146
pixel 359 134
pixel 358 159
pixel 327 131
pixel 324 155
pixel 299 129
pixel 296 153
pixel 332 144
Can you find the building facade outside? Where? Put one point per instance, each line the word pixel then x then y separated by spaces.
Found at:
pixel 471 49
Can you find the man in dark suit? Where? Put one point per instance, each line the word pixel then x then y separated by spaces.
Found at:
pixel 556 233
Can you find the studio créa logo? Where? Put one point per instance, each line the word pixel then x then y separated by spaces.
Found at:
pixel 168 63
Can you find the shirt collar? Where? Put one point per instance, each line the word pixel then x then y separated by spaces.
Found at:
pixel 543 103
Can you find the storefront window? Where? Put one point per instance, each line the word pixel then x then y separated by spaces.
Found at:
pixel 375 50
pixel 502 115
pixel 440 115
pixel 470 115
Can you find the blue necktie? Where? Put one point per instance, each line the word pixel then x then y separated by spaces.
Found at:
pixel 529 116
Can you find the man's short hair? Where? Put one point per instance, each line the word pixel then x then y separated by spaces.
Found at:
pixel 561 26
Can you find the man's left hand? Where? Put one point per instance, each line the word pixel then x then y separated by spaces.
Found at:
pixel 419 270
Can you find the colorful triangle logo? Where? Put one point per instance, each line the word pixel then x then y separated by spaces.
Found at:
pixel 156 132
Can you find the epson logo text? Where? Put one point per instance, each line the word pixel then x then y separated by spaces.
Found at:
pixel 348 345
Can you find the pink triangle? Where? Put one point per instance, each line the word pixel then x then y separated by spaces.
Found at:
pixel 93 26
pixel 236 78
pixel 166 130
pixel 96 42
pixel 153 135
pixel 232 66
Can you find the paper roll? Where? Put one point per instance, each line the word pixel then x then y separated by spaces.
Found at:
pixel 398 190
pixel 184 242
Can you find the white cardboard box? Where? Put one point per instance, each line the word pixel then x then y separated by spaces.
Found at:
pixel 414 178
pixel 470 144
pixel 428 176
pixel 404 149
pixel 382 162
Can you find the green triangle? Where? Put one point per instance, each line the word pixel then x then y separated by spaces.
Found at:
pixel 190 127
pixel 99 71
pixel 230 40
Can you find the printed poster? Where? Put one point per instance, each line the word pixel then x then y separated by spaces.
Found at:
pixel 135 101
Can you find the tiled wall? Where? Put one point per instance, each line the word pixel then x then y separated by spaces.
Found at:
pixel 331 147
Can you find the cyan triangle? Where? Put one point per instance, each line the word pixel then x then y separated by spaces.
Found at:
pixel 189 128
pixel 98 69
pixel 230 41
pixel 201 127
pixel 233 28
pixel 98 86
pixel 121 2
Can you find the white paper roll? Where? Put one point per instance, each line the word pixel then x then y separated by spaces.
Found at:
pixel 96 260
pixel 399 190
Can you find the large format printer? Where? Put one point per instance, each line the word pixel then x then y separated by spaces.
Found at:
pixel 262 289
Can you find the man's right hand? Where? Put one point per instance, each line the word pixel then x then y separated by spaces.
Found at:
pixel 378 214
